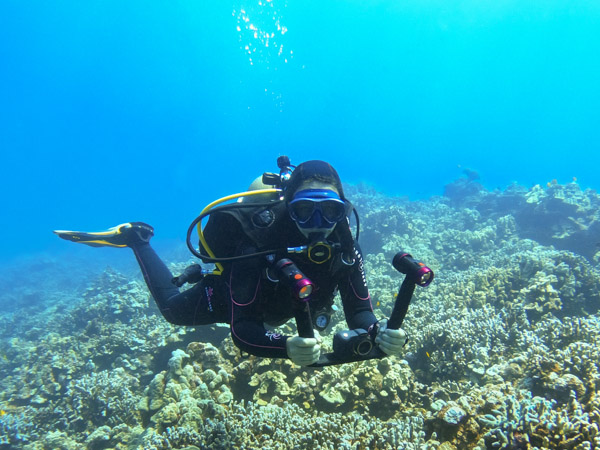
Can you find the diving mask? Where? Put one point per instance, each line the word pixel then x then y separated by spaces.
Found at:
pixel 316 210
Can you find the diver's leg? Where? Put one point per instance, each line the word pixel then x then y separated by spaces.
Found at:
pixel 156 274
pixel 202 304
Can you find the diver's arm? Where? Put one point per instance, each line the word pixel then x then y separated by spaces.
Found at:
pixel 355 295
pixel 247 330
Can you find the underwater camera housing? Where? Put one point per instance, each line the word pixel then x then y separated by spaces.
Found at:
pixel 350 343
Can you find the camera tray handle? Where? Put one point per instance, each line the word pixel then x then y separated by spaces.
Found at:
pixel 402 302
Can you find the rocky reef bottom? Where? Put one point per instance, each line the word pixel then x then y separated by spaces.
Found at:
pixel 503 351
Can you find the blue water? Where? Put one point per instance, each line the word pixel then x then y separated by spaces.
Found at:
pixel 114 111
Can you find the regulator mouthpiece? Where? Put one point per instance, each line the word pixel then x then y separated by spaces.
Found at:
pixel 318 251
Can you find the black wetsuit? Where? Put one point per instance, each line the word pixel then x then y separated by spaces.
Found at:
pixel 245 298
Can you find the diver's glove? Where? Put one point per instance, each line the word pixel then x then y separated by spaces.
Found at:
pixel 390 341
pixel 303 351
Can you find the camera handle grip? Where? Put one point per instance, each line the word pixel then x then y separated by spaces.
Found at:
pixel 303 320
pixel 402 302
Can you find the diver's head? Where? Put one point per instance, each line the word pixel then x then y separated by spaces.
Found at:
pixel 315 199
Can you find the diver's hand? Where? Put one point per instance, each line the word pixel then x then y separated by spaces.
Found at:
pixel 390 341
pixel 303 351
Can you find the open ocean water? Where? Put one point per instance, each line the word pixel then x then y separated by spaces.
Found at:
pixel 147 111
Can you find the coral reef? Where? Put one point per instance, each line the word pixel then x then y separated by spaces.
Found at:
pixel 503 350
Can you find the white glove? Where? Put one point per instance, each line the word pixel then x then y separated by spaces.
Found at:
pixel 303 351
pixel 390 341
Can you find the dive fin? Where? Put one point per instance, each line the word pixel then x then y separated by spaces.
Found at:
pixel 122 235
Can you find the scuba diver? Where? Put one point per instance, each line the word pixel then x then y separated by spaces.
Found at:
pixel 281 253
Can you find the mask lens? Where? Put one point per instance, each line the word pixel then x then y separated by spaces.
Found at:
pixel 332 210
pixel 302 210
